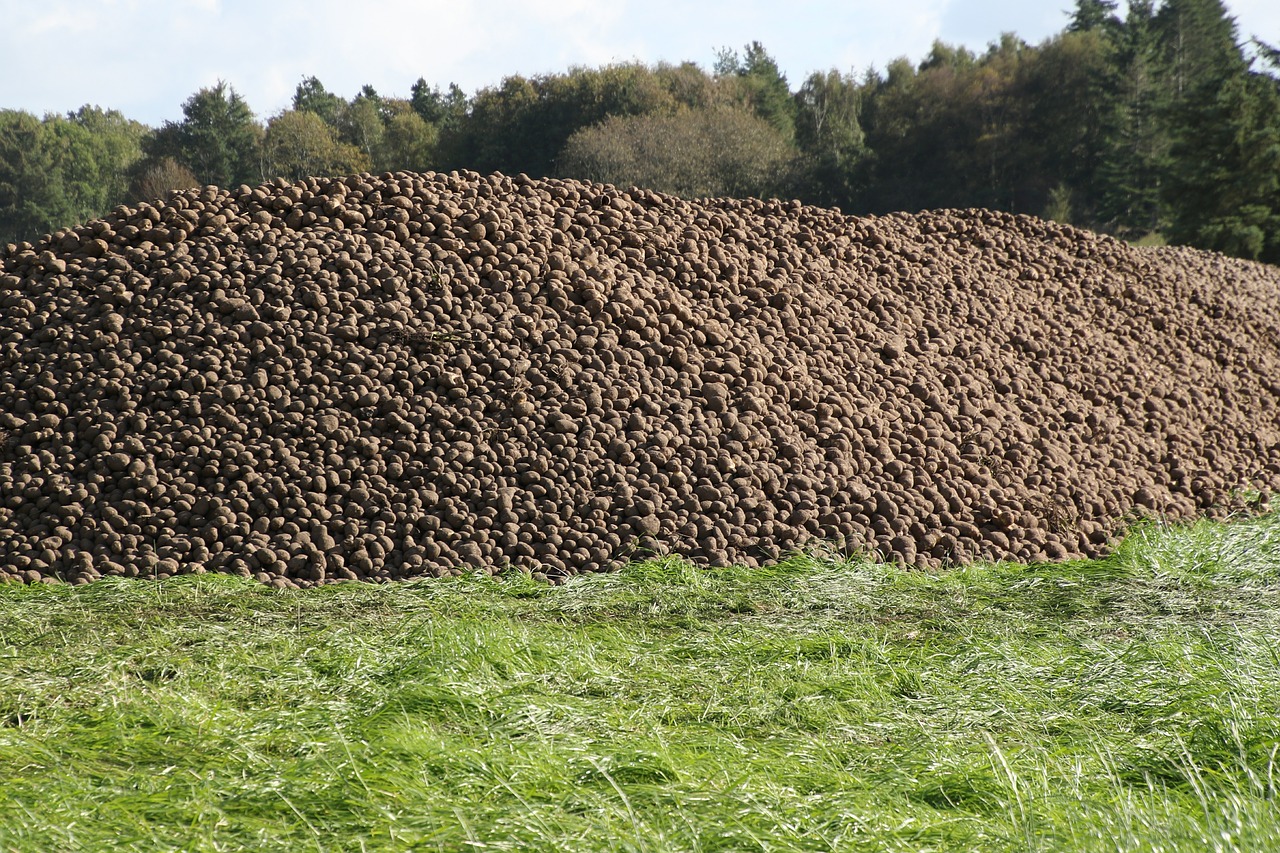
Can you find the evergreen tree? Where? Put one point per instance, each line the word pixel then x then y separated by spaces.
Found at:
pixel 946 135
pixel 1198 46
pixel 1137 143
pixel 523 125
pixel 1157 122
pixel 764 86
pixel 1224 187
pixel 311 96
pixel 1224 157
pixel 1066 88
pixel 442 110
pixel 897 172
pixel 499 133
pixel 587 96
pixel 771 96
pixel 219 139
pixel 1268 53
pixel 1092 15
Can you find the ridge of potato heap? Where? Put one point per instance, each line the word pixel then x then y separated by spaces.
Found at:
pixel 407 375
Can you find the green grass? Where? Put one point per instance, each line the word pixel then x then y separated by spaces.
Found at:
pixel 1128 704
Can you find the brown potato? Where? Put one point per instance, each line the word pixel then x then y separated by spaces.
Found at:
pixel 415 375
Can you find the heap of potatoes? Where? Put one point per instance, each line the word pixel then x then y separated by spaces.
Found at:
pixel 407 375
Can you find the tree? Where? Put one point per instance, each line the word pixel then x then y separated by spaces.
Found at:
pixel 31 194
pixel 497 135
pixel 1199 46
pixel 763 85
pixel 408 142
pixel 1136 150
pixel 115 146
pixel 942 55
pixel 441 110
pixel 158 178
pixel 63 170
pixel 361 123
pixel 219 139
pixel 1224 187
pixel 299 144
pixel 1067 89
pixel 522 125
pixel 947 134
pixel 311 96
pixel 76 166
pixel 1270 54
pixel 693 153
pixel 1092 15
pixel 687 84
pixel 830 136
pixel 1220 189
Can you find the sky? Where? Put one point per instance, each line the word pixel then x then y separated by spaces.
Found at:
pixel 146 57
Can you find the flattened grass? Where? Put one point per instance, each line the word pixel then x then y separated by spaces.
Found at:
pixel 1126 704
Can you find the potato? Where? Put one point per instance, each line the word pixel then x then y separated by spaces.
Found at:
pixel 414 375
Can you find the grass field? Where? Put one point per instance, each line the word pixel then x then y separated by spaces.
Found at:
pixel 1131 704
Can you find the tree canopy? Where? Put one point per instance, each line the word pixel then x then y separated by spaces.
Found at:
pixel 716 151
pixel 1151 116
pixel 218 139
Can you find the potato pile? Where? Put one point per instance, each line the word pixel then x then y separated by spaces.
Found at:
pixel 408 375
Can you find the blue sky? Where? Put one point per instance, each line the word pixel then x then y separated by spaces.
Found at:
pixel 145 57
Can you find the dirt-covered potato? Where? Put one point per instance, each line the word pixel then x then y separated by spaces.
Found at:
pixel 408 375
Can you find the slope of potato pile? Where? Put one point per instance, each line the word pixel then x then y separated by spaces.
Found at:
pixel 408 375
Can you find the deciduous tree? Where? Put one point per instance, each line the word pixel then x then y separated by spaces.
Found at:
pixel 719 151
pixel 158 178
pixel 408 142
pixel 299 144
pixel 830 137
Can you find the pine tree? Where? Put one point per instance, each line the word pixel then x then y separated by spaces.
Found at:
pixel 443 110
pixel 1137 148
pixel 1094 15
pixel 311 96
pixel 1221 188
pixel 1198 46
pixel 218 139
pixel 764 83
pixel 1225 185
pixel 1068 92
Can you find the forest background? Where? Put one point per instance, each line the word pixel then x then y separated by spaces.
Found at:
pixel 1156 122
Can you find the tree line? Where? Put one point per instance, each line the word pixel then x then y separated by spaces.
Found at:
pixel 1155 119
